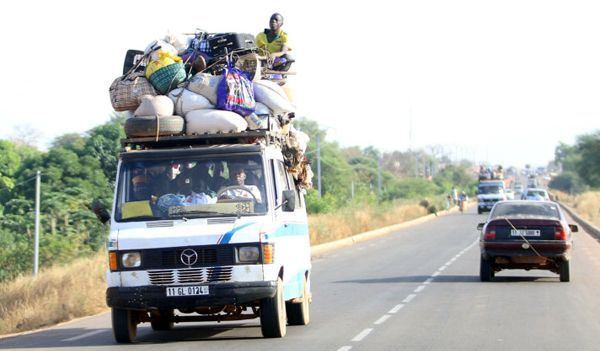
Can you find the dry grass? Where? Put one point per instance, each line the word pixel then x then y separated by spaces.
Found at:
pixel 334 226
pixel 62 293
pixel 58 294
pixel 587 205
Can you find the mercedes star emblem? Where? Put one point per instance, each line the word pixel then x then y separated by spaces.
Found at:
pixel 189 257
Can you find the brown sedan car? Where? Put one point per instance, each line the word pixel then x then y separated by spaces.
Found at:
pixel 525 235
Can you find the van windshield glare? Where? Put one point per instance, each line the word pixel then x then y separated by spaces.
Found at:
pixel 190 187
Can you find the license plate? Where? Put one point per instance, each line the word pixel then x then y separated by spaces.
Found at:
pixel 187 290
pixel 525 232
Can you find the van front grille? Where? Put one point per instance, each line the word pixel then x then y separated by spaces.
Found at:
pixel 190 276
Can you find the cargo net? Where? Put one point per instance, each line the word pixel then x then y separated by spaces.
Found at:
pixel 207 84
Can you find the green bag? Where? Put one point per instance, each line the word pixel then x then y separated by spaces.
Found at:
pixel 167 78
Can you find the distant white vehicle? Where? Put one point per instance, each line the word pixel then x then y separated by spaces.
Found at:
pixel 510 195
pixel 535 194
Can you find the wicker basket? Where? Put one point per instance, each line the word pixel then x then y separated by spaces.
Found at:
pixel 168 77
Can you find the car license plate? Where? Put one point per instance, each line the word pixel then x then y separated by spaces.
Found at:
pixel 525 232
pixel 187 290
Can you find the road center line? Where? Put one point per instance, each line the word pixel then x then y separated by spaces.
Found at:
pixel 344 348
pixel 363 334
pixel 442 268
pixel 409 298
pixel 428 281
pixel 396 308
pixel 382 319
pixel 419 288
pixel 436 274
pixel 85 335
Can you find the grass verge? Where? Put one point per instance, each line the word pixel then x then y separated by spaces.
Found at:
pixel 587 205
pixel 62 293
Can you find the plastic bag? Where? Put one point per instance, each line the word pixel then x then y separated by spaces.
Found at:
pixel 273 96
pixel 187 101
pixel 235 92
pixel 159 106
pixel 205 85
pixel 214 121
pixel 164 59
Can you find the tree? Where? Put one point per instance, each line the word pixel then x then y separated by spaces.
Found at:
pixel 588 164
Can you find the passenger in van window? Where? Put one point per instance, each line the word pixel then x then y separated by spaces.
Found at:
pixel 239 188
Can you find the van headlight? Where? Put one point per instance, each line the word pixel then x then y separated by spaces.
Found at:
pixel 131 259
pixel 247 254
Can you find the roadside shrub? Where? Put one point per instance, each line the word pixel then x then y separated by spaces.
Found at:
pixel 568 182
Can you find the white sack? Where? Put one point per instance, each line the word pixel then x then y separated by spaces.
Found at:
pixel 164 46
pixel 272 96
pixel 179 41
pixel 214 121
pixel 205 85
pixel 159 105
pixel 188 101
pixel 262 109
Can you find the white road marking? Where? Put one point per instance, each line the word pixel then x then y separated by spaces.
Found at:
pixel 419 288
pixel 442 268
pixel 344 348
pixel 382 319
pixel 436 274
pixel 363 334
pixel 428 281
pixel 85 335
pixel 396 308
pixel 409 298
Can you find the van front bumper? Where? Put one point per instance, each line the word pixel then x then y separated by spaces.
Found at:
pixel 153 297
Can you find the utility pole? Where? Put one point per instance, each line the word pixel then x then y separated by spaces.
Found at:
pixel 319 164
pixel 36 249
pixel 379 177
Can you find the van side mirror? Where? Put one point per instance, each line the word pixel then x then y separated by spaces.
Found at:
pixel 574 228
pixel 480 226
pixel 289 200
pixel 100 211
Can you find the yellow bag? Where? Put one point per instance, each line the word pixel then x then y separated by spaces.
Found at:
pixel 164 59
pixel 136 209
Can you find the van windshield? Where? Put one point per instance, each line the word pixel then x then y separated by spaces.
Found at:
pixel 489 189
pixel 190 187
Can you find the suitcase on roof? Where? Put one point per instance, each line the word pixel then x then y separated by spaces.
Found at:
pixel 224 43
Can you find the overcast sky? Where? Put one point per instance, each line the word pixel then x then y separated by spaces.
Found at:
pixel 497 81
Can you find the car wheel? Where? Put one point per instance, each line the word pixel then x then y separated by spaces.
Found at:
pixel 299 313
pixel 124 325
pixel 564 271
pixel 272 314
pixel 486 272
pixel 163 320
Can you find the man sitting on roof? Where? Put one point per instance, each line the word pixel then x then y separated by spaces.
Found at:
pixel 275 41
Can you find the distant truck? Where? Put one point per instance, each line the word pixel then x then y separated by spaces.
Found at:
pixel 176 245
pixel 489 192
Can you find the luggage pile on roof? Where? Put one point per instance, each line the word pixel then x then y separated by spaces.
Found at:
pixel 208 83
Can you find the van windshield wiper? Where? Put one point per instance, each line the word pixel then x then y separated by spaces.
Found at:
pixel 140 218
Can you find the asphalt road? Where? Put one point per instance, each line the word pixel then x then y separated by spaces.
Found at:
pixel 417 289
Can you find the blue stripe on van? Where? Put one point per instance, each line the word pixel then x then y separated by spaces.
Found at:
pixel 227 237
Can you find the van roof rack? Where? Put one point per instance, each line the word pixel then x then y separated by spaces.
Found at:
pixel 247 137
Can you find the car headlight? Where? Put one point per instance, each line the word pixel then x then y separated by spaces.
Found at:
pixel 131 259
pixel 248 254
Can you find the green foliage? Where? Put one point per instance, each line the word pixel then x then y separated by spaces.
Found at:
pixel 580 162
pixel 568 182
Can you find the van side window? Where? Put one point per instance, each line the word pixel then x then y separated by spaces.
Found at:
pixel 292 186
pixel 280 177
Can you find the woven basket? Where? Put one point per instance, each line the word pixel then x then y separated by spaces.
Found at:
pixel 168 77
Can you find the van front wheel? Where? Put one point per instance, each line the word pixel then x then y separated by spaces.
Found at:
pixel 299 313
pixel 124 325
pixel 272 314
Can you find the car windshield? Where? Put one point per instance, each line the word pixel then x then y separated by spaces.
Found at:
pixel 536 193
pixel 511 210
pixel 190 187
pixel 489 189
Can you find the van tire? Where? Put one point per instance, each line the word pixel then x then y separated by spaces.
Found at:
pixel 299 313
pixel 145 126
pixel 124 325
pixel 163 320
pixel 272 314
